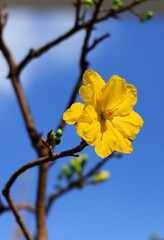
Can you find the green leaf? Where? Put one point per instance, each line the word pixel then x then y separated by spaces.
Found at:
pixel 146 16
pixel 117 4
pixel 66 171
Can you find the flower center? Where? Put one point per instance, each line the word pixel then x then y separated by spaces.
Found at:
pixel 107 114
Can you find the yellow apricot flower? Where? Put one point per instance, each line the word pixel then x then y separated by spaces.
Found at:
pixel 106 120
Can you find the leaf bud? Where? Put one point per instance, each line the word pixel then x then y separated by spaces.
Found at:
pixel 100 177
pixel 66 170
pixel 88 2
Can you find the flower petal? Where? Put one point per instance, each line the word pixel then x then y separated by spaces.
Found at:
pixel 129 125
pixel 88 125
pixel 93 78
pixel 88 131
pixel 123 144
pixel 94 84
pixel 112 93
pixel 73 113
pixel 89 114
pixel 127 103
pixel 107 142
pixel 87 94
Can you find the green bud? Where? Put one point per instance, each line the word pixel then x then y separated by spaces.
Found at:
pixel 100 177
pixel 150 14
pixel 88 2
pixel 56 141
pixel 117 4
pixel 76 165
pixel 72 163
pixel 78 169
pixel 146 16
pixel 53 134
pixel 82 159
pixel 66 170
pixel 59 132
pixel 53 142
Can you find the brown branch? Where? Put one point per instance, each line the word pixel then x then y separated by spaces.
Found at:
pixel 29 165
pixel 96 41
pixel 21 206
pixel 17 216
pixel 135 12
pixel 110 13
pixel 39 161
pixel 83 62
pixel 77 6
pixel 34 136
pixel 83 179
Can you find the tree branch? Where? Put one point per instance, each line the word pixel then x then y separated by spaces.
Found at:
pixel 83 179
pixel 17 215
pixel 21 206
pixel 83 62
pixel 42 160
pixel 34 137
pixel 110 13
pixel 98 40
pixel 29 165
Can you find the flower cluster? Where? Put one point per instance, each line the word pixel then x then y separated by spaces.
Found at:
pixel 106 120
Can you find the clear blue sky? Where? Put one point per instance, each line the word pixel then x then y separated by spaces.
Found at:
pixel 130 206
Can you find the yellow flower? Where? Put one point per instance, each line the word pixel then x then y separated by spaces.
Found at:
pixel 106 120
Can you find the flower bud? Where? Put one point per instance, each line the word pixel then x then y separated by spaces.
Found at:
pixel 59 132
pixel 53 134
pixel 56 141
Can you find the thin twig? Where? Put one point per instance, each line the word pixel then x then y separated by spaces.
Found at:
pixel 83 179
pixel 34 137
pixel 17 215
pixel 77 6
pixel 42 160
pixel 98 40
pixel 38 52
pixel 135 12
pixel 83 63
pixel 21 206
pixel 29 165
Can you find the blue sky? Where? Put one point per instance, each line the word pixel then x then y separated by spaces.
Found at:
pixel 131 204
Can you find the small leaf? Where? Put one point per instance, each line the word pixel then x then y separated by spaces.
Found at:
pixel 117 4
pixel 146 16
pixel 66 171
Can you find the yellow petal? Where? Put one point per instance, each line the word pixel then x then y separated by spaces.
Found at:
pixel 94 84
pixel 129 125
pixel 108 140
pixel 127 103
pixel 89 114
pixel 88 125
pixel 87 94
pixel 88 131
pixel 123 144
pixel 93 78
pixel 72 115
pixel 112 93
